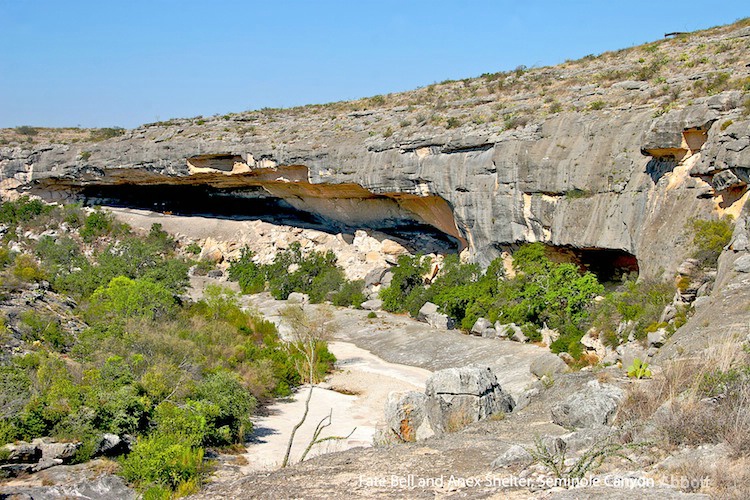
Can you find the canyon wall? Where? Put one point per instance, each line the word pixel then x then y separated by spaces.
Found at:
pixel 624 176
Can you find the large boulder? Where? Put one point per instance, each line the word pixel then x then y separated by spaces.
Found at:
pixel 430 315
pixel 298 298
pixel 372 305
pixel 23 453
pixel 480 326
pixel 547 365
pixel 457 397
pixel 593 406
pixel 406 417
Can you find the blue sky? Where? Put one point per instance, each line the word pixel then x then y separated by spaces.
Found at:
pixel 123 63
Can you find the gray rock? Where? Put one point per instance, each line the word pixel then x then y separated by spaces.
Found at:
pixel 104 487
pixel 375 277
pixel 440 321
pixel 593 406
pixel 500 330
pixel 489 333
pixel 701 302
pixel 215 273
pixel 742 265
pixel 429 314
pixel 372 305
pixel 113 445
pixel 669 313
pixel 457 397
pixel 63 451
pixel 480 326
pixel 385 281
pixel 548 365
pixel 298 298
pixel 46 463
pixel 515 455
pixel 427 309
pixel 657 338
pixel 23 453
pixel 405 415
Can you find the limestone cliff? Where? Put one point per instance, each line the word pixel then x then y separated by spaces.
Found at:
pixel 610 152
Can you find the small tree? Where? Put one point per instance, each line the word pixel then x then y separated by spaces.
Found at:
pixel 307 331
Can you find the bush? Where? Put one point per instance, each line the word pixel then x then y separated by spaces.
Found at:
pixel 26 269
pixel 127 298
pixel 22 210
pixel 638 302
pixel 97 224
pixel 226 406
pixel 710 237
pixel 162 460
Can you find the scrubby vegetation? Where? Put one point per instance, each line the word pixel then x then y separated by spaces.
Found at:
pixel 541 293
pixel 314 273
pixel 710 237
pixel 133 357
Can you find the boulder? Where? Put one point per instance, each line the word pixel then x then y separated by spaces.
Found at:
pixel 548 365
pixel 593 406
pixel 298 298
pixel 742 265
pixel 457 397
pixel 372 305
pixel 59 451
pixel 427 309
pixel 385 281
pixel 483 328
pixel 549 335
pixel 405 415
pixel 480 326
pixel 23 453
pixel 440 321
pixel 215 273
pixel 657 338
pixel 113 445
pixel 511 331
pixel 429 314
pixel 701 302
pixel 515 455
pixel 375 277
pixel 500 330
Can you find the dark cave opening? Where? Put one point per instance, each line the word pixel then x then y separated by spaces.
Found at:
pixel 606 263
pixel 255 203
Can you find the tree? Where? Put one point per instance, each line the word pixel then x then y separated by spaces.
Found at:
pixel 308 331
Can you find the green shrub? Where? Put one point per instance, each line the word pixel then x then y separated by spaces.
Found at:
pixel 97 224
pixel 640 302
pixel 250 276
pixel 26 269
pixel 162 461
pixel 126 298
pixel 226 406
pixel 406 283
pixel 710 237
pixel 22 210
pixel 193 248
pixel 350 294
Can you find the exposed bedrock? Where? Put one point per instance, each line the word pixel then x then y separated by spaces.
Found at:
pixel 620 179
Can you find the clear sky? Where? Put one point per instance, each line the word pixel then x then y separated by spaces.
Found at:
pixel 127 62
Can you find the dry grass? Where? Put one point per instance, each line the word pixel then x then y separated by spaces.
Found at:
pixel 696 401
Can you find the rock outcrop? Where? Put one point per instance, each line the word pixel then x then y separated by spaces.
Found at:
pixel 592 407
pixel 457 397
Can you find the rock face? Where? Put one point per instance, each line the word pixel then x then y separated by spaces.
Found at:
pixel 624 178
pixel 406 417
pixel 457 397
pixel 591 407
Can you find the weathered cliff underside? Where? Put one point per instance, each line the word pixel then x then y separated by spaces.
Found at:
pixel 595 174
